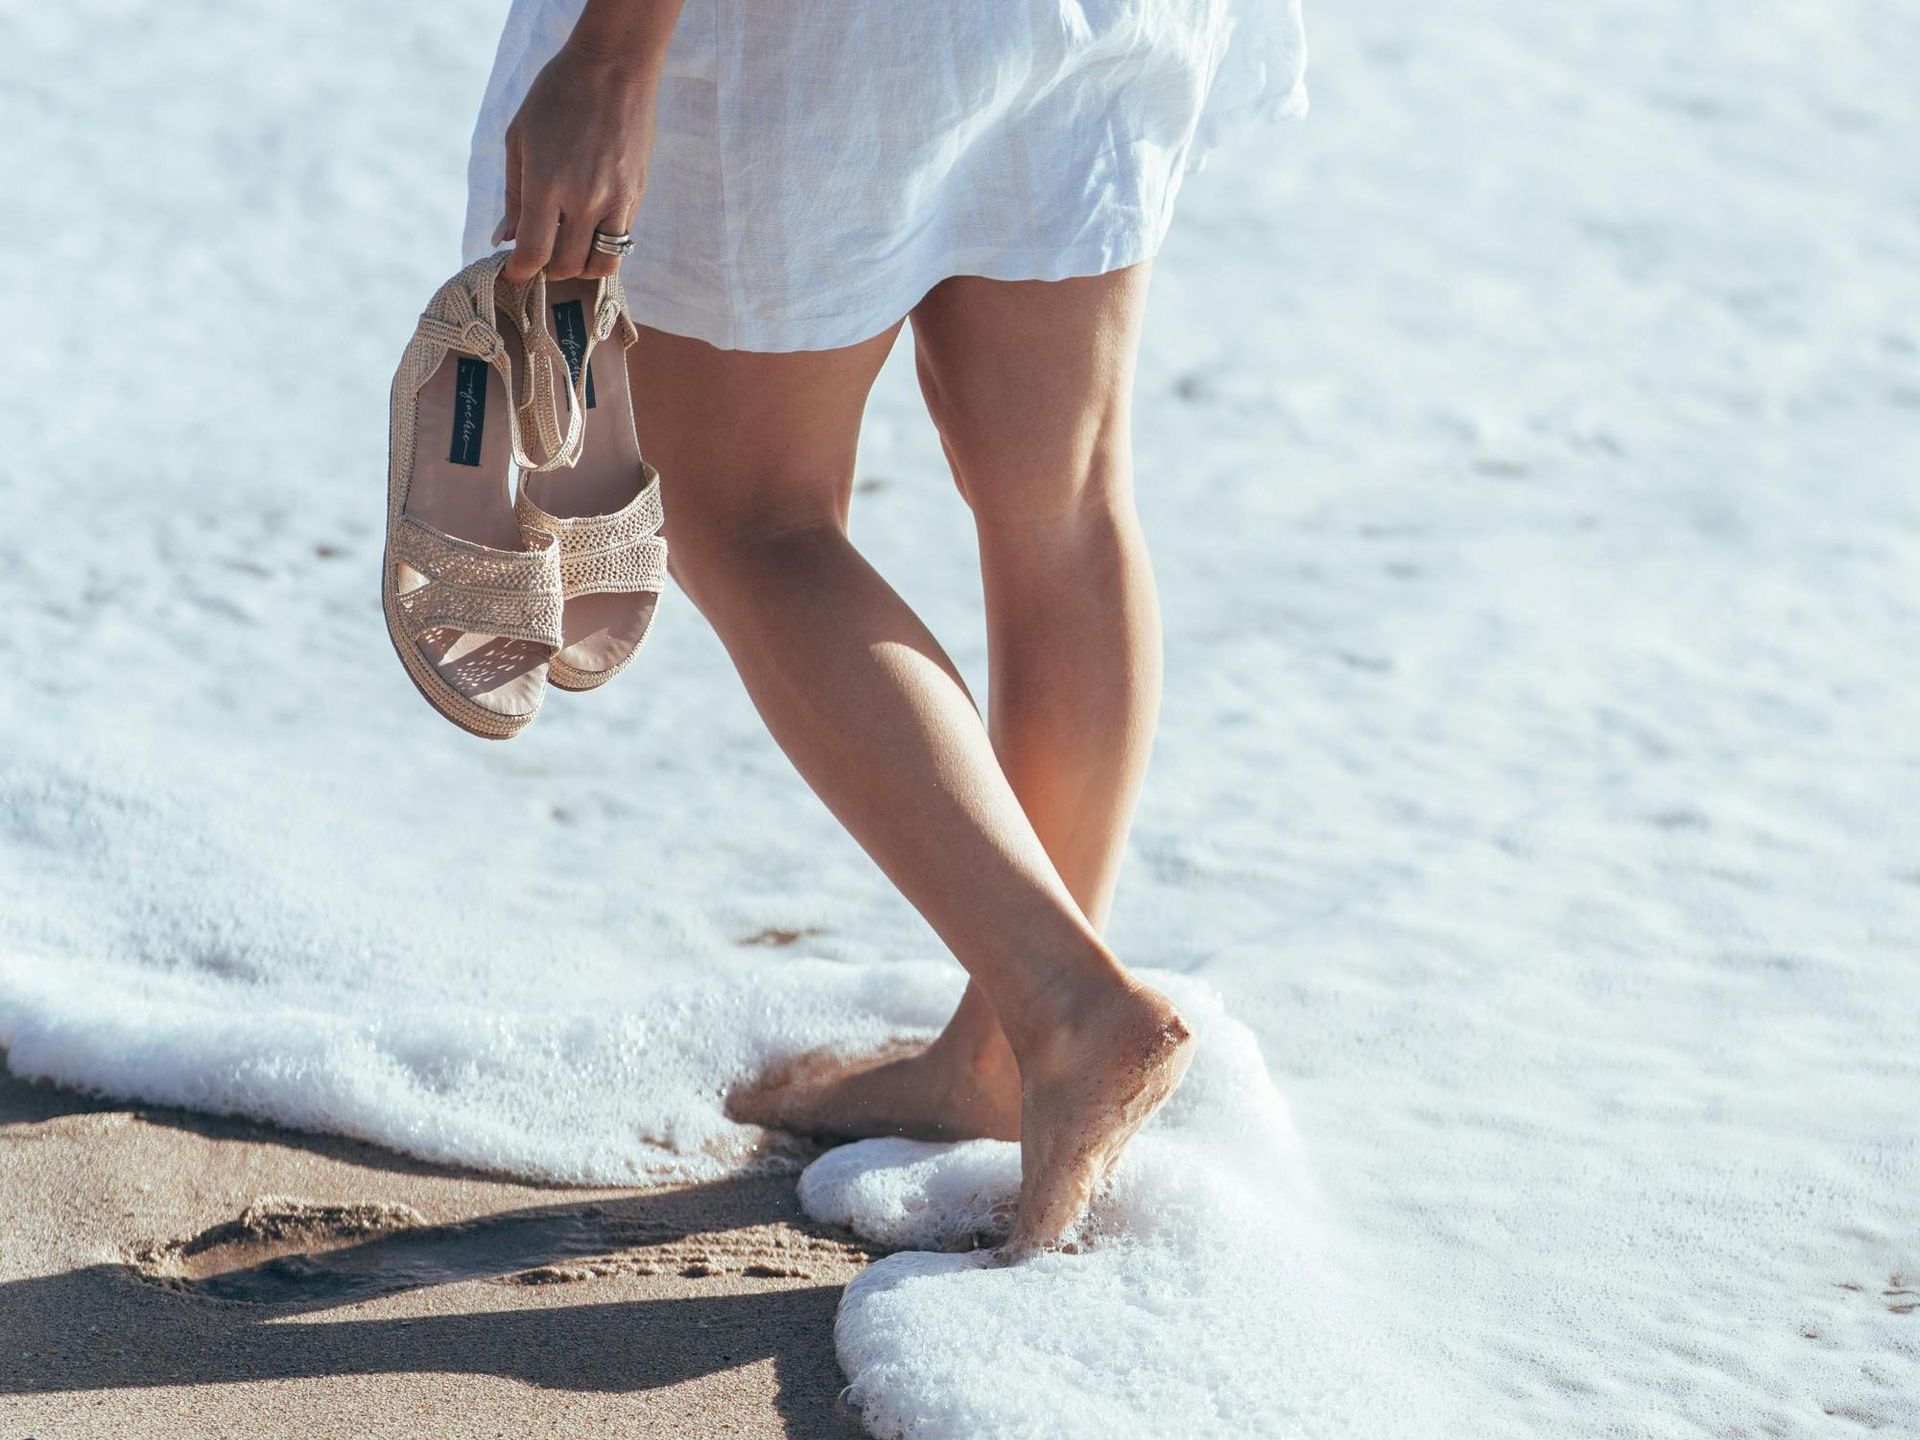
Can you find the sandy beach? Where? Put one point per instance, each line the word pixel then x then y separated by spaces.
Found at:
pixel 1526 443
pixel 168 1274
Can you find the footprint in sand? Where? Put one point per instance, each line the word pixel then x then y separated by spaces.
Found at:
pixel 286 1251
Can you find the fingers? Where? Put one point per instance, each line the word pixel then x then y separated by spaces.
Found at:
pixel 532 220
pixel 545 233
pixel 510 219
pixel 571 247
pixel 534 235
pixel 600 264
pixel 617 221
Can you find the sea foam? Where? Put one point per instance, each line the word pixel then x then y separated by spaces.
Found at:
pixel 592 1089
pixel 1206 1296
pixel 1204 1274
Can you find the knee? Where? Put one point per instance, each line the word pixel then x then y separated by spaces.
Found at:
pixel 707 561
pixel 717 553
pixel 1020 467
pixel 1080 487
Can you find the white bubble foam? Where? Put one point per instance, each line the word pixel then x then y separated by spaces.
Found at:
pixel 1204 1272
pixel 1204 1298
pixel 627 1089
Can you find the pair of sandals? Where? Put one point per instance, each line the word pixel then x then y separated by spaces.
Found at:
pixel 492 590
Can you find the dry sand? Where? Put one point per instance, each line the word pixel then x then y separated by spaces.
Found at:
pixel 168 1274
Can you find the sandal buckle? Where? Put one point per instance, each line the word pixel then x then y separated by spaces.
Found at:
pixel 474 335
pixel 481 338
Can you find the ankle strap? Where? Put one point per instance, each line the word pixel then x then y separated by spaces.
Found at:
pixel 547 361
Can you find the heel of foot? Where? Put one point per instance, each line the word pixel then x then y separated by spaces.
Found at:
pixel 1170 1037
pixel 1175 1034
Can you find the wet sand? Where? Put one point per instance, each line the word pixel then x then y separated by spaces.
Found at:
pixel 168 1274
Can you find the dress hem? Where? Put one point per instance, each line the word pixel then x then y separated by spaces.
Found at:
pixel 725 331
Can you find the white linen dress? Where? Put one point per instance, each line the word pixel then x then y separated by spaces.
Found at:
pixel 819 165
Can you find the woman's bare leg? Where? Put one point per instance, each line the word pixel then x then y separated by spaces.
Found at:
pixel 1029 384
pixel 758 454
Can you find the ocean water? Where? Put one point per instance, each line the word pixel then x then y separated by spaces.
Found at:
pixel 1527 442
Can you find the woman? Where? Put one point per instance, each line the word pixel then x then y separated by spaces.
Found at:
pixel 998 173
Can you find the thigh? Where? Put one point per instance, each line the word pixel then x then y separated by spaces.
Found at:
pixel 750 443
pixel 1029 382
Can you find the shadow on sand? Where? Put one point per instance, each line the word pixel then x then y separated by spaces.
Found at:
pixel 223 1306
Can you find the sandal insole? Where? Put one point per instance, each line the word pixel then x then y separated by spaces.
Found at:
pixel 462 456
pixel 600 630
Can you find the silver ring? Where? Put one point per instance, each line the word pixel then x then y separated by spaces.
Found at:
pixel 606 244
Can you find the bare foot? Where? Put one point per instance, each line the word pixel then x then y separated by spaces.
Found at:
pixel 924 1093
pixel 1087 1093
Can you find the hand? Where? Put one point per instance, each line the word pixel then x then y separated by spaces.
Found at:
pixel 577 154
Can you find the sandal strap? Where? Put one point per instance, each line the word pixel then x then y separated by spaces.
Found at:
pixel 547 362
pixel 460 317
pixel 610 312
pixel 606 554
pixel 476 588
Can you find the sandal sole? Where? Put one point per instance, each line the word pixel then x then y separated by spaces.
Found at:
pixel 442 696
pixel 562 676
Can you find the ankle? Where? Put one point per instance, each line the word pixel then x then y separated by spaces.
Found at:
pixel 1057 1010
pixel 973 1053
pixel 988 1057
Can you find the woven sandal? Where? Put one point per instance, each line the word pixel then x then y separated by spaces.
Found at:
pixel 604 512
pixel 473 601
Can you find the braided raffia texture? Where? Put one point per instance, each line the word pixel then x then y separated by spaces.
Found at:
pixel 537 407
pixel 611 313
pixel 476 588
pixel 459 317
pixel 549 374
pixel 468 586
pixel 463 316
pixel 607 554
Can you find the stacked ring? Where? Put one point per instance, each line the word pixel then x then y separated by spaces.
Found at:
pixel 607 244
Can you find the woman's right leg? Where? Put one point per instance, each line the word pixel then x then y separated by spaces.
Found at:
pixel 757 451
pixel 1030 386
